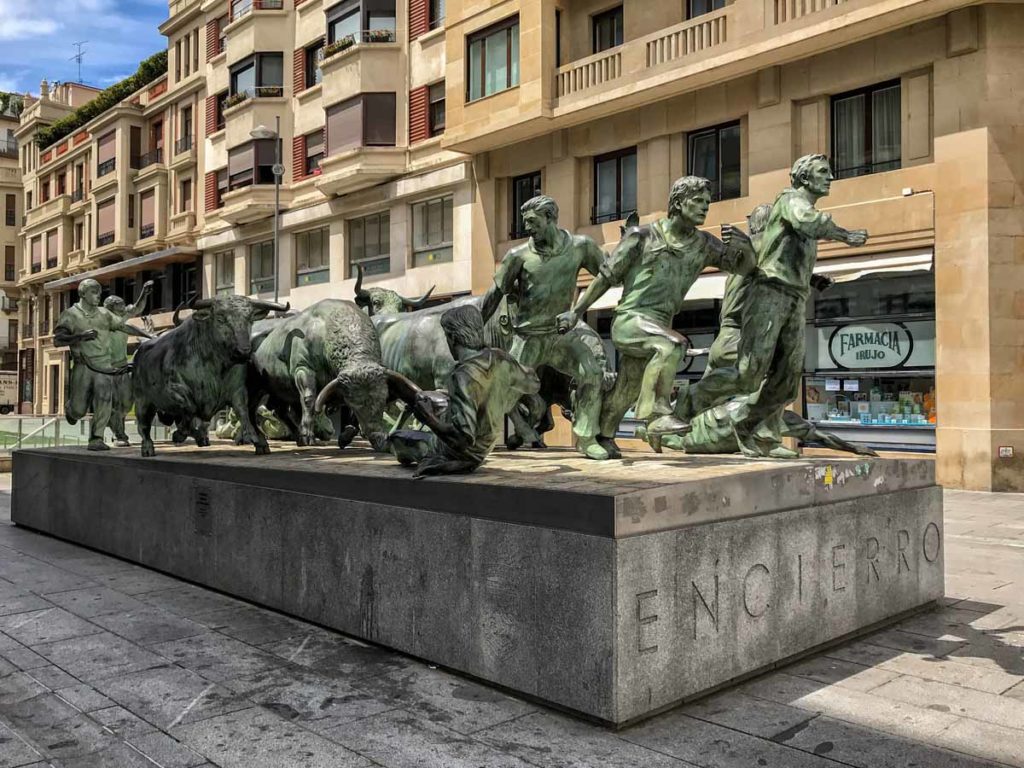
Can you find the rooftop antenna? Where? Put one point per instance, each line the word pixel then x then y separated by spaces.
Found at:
pixel 79 56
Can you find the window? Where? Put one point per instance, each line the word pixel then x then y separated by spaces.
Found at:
pixel 10 210
pixel 614 186
pixel 195 50
pixel 523 188
pixel 105 223
pixel 222 43
pixel 221 99
pixel 9 263
pixel 314 55
pixel 432 232
pixel 44 192
pixel 261 267
pixel 28 200
pixel 369 244
pixel 314 152
pixel 185 196
pixel 186 54
pixel 79 235
pixel 696 8
pixel 866 131
pixel 224 273
pixel 714 153
pixel 222 186
pixel 436 13
pixel 493 59
pixel 185 133
pixel 177 61
pixel 436 114
pixel 131 211
pixel 367 120
pixel 261 75
pixel 607 28
pixel 62 184
pixel 312 257
pixel 51 249
pixel 251 163
pixel 343 21
pixel 147 218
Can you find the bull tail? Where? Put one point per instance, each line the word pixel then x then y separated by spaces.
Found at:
pixel 285 355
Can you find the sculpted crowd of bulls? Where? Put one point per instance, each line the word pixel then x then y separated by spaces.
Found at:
pixel 461 367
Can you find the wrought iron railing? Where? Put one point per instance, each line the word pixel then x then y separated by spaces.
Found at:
pixel 9 147
pixel 598 216
pixel 105 239
pixel 77 195
pixel 146 230
pixel 184 144
pixel 153 157
pixel 107 166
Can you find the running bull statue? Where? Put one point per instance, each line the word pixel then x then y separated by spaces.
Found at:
pixel 329 349
pixel 194 370
pixel 383 301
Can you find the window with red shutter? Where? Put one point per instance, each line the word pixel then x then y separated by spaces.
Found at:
pixel 211 191
pixel 419 126
pixel 298 158
pixel 419 18
pixel 299 71
pixel 211 114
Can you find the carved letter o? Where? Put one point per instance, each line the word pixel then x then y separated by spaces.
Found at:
pixel 925 541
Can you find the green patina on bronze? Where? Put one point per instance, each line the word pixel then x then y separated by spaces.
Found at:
pixel 91 332
pixel 539 278
pixel 122 400
pixel 656 265
pixel 466 423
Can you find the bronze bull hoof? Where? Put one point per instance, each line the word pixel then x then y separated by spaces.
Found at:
pixel 148 450
pixel 262 449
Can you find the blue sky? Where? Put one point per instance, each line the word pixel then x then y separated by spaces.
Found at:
pixel 36 37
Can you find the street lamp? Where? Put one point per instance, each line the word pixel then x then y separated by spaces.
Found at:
pixel 262 132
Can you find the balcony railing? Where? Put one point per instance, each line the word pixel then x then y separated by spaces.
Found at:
pixel 10 219
pixel 9 147
pixel 51 262
pixel 77 195
pixel 146 230
pixel 107 166
pixel 37 266
pixel 27 332
pixel 589 72
pixel 703 32
pixel 153 157
pixel 790 10
pixel 604 215
pixel 44 327
pixel 10 274
pixel 105 239
pixel 241 8
pixel 182 145
pixel 365 36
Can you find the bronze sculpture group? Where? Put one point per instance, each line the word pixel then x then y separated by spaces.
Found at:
pixel 459 369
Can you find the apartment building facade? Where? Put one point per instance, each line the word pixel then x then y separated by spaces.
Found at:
pixel 358 89
pixel 115 200
pixel 602 103
pixel 10 225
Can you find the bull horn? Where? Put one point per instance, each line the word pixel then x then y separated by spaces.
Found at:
pixel 176 319
pixel 270 306
pixel 196 304
pixel 415 304
pixel 362 297
pixel 325 393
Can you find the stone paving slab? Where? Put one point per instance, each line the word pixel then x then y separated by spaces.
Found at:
pixel 178 676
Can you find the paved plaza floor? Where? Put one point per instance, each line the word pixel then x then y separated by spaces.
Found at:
pixel 104 663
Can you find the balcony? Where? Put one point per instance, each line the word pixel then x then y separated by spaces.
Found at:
pixel 181 225
pixel 252 203
pixel 153 157
pixel 739 40
pixel 242 8
pixel 53 208
pixel 8 147
pixel 372 65
pixel 76 261
pixel 184 153
pixel 106 167
pixel 146 231
pixel 77 196
pixel 104 239
pixel 360 168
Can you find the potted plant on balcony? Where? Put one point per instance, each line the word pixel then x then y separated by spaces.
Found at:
pixel 235 99
pixel 339 45
pixel 380 36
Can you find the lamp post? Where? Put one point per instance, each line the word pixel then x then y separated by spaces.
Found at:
pixel 262 132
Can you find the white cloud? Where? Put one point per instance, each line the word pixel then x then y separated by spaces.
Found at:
pixel 16 28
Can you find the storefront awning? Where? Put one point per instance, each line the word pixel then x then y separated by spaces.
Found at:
pixel 128 266
pixel 712 285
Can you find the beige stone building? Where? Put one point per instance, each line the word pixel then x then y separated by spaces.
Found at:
pixel 920 106
pixel 116 201
pixel 10 242
pixel 411 130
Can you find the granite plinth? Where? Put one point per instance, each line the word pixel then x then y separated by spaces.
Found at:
pixel 613 589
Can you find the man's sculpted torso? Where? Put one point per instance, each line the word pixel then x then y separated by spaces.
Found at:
pixel 789 246
pixel 78 319
pixel 544 284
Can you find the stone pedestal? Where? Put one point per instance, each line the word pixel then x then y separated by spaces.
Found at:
pixel 612 589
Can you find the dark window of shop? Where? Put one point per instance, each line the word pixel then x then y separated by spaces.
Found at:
pixel 714 153
pixel 695 8
pixel 523 188
pixel 493 60
pixel 369 244
pixel 870 374
pixel 608 29
pixel 314 56
pixel 866 131
pixel 614 186
pixel 312 257
pixel 436 111
pixel 261 267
